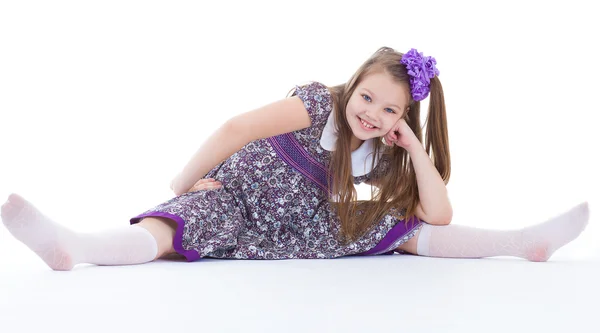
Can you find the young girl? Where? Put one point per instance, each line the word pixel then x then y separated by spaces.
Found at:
pixel 278 182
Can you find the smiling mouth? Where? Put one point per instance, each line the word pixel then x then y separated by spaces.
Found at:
pixel 363 122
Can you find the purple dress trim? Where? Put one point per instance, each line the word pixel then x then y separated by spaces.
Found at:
pixel 190 255
pixel 288 148
pixel 394 237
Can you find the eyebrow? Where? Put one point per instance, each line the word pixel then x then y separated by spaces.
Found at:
pixel 369 91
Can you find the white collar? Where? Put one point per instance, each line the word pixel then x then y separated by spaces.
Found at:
pixel 361 157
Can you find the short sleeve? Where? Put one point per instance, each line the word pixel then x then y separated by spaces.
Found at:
pixel 317 101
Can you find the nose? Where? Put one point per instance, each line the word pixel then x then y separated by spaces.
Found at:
pixel 368 116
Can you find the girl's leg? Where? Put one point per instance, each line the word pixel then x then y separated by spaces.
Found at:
pixel 535 243
pixel 62 248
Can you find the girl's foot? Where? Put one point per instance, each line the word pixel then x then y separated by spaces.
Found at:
pixel 43 236
pixel 540 241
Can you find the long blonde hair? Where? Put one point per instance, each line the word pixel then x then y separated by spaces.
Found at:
pixel 398 184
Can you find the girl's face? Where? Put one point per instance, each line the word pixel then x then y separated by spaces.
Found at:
pixel 379 101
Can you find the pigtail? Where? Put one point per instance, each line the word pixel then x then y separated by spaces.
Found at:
pixel 437 130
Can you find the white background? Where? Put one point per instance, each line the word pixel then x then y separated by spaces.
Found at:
pixel 102 103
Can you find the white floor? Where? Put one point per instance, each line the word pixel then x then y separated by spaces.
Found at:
pixel 377 294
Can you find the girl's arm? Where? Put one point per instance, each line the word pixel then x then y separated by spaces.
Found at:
pixel 280 117
pixel 434 205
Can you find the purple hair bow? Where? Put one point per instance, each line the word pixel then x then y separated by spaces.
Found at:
pixel 421 70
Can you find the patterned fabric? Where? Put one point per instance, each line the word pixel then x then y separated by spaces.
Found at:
pixel 273 204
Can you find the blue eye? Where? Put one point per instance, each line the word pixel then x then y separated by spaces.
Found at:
pixel 368 99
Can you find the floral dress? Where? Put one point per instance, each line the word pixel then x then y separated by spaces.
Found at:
pixel 273 200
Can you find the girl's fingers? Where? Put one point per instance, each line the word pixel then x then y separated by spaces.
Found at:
pixel 208 185
pixel 204 184
pixel 388 141
pixel 204 181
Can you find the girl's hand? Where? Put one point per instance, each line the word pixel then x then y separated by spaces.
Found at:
pixel 402 135
pixel 205 184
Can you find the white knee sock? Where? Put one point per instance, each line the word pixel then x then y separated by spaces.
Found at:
pixel 122 246
pixel 62 248
pixel 536 243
